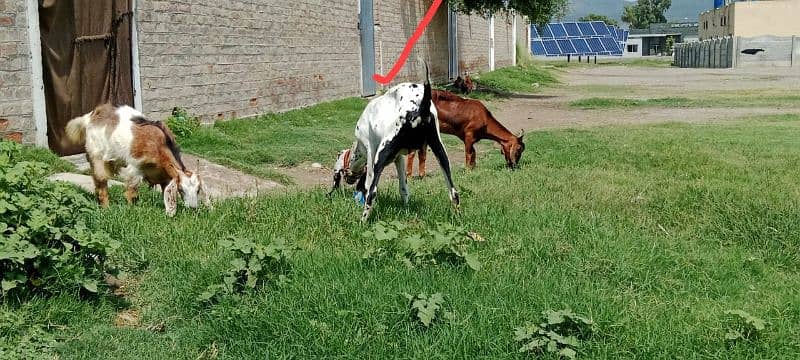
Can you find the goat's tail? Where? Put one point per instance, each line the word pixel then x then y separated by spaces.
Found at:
pixel 76 128
pixel 427 96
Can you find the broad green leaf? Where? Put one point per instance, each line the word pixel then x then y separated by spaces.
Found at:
pixel 90 286
pixel 568 353
pixel 472 262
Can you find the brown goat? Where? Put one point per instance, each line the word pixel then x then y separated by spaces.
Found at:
pixel 121 138
pixel 471 122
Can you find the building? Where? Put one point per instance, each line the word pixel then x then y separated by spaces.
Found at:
pixel 751 19
pixel 220 59
pixel 655 40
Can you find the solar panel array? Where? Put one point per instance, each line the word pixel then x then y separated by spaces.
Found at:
pixel 578 38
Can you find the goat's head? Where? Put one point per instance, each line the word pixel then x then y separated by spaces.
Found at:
pixel 464 84
pixel 190 188
pixel 512 150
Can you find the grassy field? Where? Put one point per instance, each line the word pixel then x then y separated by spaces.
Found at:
pixel 639 62
pixel 683 102
pixel 317 133
pixel 652 231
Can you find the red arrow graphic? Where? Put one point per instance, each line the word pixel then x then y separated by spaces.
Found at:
pixel 409 45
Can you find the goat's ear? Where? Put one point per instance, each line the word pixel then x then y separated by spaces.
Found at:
pixel 203 194
pixel 198 168
pixel 171 198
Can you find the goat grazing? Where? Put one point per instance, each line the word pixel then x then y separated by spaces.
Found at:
pixel 122 140
pixel 398 122
pixel 465 84
pixel 470 121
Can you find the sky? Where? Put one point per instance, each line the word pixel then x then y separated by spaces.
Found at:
pixel 680 8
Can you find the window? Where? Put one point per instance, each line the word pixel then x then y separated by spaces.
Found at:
pixel 633 48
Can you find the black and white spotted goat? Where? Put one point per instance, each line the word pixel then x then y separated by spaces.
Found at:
pixel 398 122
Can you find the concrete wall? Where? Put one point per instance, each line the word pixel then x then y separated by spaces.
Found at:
pixel 727 52
pixel 752 19
pixel 16 104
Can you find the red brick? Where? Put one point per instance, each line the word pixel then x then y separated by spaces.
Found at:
pixel 3 124
pixel 6 21
pixel 15 136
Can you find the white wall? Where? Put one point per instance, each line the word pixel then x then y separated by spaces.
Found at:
pixel 633 41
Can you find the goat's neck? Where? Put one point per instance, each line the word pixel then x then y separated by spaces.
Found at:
pixel 498 133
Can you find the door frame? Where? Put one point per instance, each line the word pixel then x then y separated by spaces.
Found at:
pixel 452 43
pixel 37 74
pixel 37 70
pixel 366 32
pixel 135 70
pixel 491 42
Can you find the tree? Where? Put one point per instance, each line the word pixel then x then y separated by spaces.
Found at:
pixel 646 12
pixel 598 17
pixel 537 11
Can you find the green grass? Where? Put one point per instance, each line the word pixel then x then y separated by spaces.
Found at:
pixel 525 79
pixel 682 102
pixel 257 146
pixel 652 231
pixel 632 62
pixel 55 163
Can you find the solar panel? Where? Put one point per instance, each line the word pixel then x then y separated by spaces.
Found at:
pixel 534 32
pixel 596 46
pixel 600 28
pixel 558 30
pixel 586 29
pixel 611 45
pixel 613 31
pixel 578 38
pixel 551 48
pixel 546 34
pixel 581 46
pixel 572 29
pixel 566 47
pixel 537 46
pixel 625 38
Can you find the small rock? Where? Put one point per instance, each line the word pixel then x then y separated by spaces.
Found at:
pixel 316 166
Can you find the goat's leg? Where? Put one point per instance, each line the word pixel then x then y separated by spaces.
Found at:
pixel 423 155
pixel 410 164
pixel 100 174
pixel 132 181
pixel 441 155
pixel 385 154
pixel 401 178
pixel 469 149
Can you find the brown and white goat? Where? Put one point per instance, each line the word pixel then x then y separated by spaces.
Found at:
pixel 121 140
pixel 470 121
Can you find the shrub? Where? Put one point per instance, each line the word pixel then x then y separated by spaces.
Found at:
pixel 446 243
pixel 181 124
pixel 558 333
pixel 47 244
pixel 743 326
pixel 253 266
pixel 427 309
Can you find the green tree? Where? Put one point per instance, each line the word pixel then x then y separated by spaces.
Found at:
pixel 646 12
pixel 598 17
pixel 537 11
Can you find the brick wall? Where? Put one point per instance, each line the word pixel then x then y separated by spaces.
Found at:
pixel 16 114
pixel 240 58
pixel 236 58
pixel 397 21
